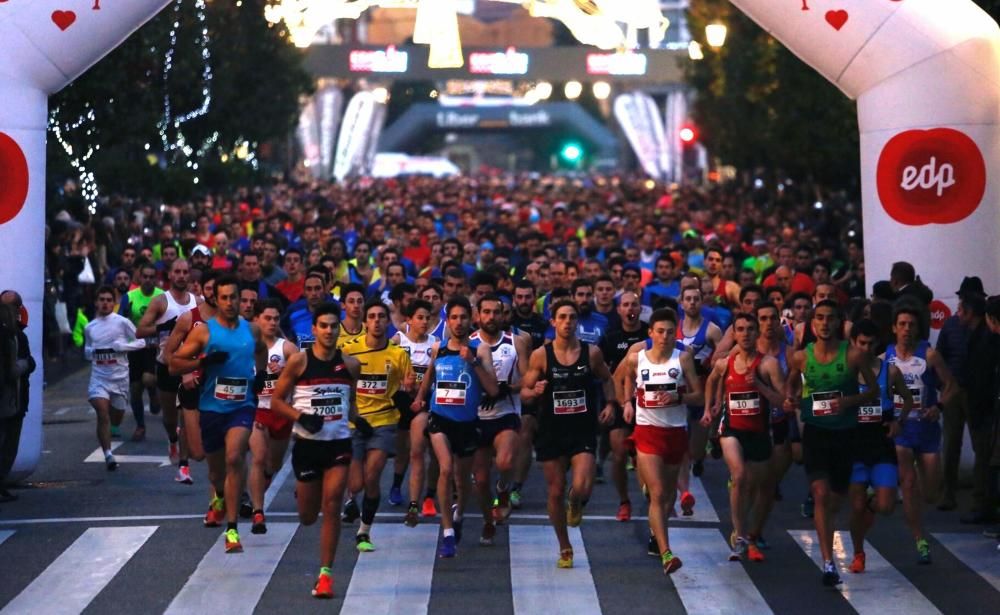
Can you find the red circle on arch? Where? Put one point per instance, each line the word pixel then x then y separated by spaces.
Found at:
pixel 13 178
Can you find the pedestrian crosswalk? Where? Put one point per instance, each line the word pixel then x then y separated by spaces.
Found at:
pixel 403 576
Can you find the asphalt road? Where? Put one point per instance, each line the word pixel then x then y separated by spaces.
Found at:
pixel 82 539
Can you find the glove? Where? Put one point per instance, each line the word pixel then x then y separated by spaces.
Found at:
pixel 259 382
pixel 310 422
pixel 364 427
pixel 217 357
pixel 402 400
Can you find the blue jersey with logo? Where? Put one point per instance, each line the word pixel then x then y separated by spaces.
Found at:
pixel 456 391
pixel 590 329
pixel 229 387
pixel 301 323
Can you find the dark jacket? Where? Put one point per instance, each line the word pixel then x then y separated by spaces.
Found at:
pixel 981 368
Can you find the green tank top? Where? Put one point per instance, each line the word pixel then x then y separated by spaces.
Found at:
pixel 139 303
pixel 823 382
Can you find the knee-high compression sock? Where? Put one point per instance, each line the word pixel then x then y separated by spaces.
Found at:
pixel 369 506
pixel 397 480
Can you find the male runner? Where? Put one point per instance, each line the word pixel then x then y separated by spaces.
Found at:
pixel 499 415
pixel 107 339
pixel 320 383
pixel 748 381
pixel 875 450
pixel 662 380
pixel 823 385
pixel 615 348
pixel 460 372
pixel 918 444
pixel 271 430
pixel 298 324
pixel 563 376
pixel 142 363
pixel 234 364
pixel 159 320
pixel 353 325
pixel 385 370
pixel 411 441
pixel 527 320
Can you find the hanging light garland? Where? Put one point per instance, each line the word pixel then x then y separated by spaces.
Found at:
pixel 88 183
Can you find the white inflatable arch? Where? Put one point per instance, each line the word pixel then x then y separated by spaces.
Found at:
pixel 924 72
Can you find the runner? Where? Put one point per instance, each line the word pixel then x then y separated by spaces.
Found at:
pixel 875 451
pixel 298 323
pixel 142 363
pixel 823 385
pixel 385 369
pixel 159 320
pixel 918 445
pixel 662 379
pixel 460 372
pixel 563 376
pixel 234 363
pixel 271 431
pixel 107 339
pixel 353 325
pixel 432 294
pixel 412 447
pixel 615 348
pixel 747 381
pixel 320 381
pixel 527 320
pixel 499 415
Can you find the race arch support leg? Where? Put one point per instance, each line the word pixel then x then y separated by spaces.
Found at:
pixel 45 46
pixel 926 75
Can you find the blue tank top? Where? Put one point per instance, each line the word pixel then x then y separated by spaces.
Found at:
pixel 229 387
pixel 883 410
pixel 457 392
pixel 919 377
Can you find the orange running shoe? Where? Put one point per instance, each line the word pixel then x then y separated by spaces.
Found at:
pixel 687 504
pixel 429 510
pixel 233 542
pixel 216 512
pixel 624 512
pixel 323 589
pixel 754 554
pixel 858 565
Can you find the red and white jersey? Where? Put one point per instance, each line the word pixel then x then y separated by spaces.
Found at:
pixel 659 387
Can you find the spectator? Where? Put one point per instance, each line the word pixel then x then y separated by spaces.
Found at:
pixel 981 362
pixel 15 384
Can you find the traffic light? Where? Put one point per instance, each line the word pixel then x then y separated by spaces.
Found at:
pixel 688 134
pixel 571 152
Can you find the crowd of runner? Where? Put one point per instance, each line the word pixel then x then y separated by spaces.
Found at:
pixel 458 330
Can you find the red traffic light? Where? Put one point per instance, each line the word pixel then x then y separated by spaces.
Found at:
pixel 688 134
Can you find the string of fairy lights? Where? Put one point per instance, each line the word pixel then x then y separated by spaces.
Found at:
pixel 88 183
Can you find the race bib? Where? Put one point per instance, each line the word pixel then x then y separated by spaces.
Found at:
pixel 869 414
pixel 744 404
pixel 420 371
pixel 822 403
pixel 231 389
pixel 659 395
pixel 331 407
pixel 897 401
pixel 568 402
pixel 106 356
pixel 269 381
pixel 373 384
pixel 449 393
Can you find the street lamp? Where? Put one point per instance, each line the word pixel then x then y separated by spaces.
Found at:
pixel 573 89
pixel 602 89
pixel 694 51
pixel 715 34
pixel 543 89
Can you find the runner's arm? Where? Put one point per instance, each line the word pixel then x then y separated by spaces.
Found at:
pixel 186 358
pixel 147 325
pixel 857 361
pixel 419 400
pixel 898 386
pixel 285 385
pixel 694 395
pixel 793 384
pixel 771 385
pixel 627 367
pixel 948 385
pixel 600 370
pixel 181 329
pixel 354 369
pixel 483 369
pixel 532 386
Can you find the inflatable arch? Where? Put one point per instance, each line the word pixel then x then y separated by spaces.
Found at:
pixel 924 72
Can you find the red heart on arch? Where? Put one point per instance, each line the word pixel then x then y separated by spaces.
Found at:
pixel 837 19
pixel 13 178
pixel 63 19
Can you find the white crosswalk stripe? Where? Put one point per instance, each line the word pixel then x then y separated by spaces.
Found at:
pixel 5 534
pixel 880 589
pixel 233 583
pixel 708 583
pixel 538 586
pixel 975 552
pixel 81 571
pixel 396 578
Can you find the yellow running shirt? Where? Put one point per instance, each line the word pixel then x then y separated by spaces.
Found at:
pixel 382 372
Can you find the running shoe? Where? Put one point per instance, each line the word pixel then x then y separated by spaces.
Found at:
pixel 351 512
pixel 412 517
pixel 488 535
pixel 233 542
pixel 174 452
pixel 515 500
pixel 687 504
pixel 565 559
pixel 599 474
pixel 110 463
pixel 739 550
pixel 395 496
pixel 808 505
pixel 574 513
pixel 259 523
pixel 831 578
pixel 502 508
pixel 246 506
pixel 216 512
pixel 671 563
pixel 449 547
pixel 363 543
pixel 116 432
pixel 139 434
pixel 652 547
pixel 624 512
pixel 698 468
pixel 858 565
pixel 761 543
pixel 923 552
pixel 323 588
pixel 184 475
pixel 429 509
pixel 754 554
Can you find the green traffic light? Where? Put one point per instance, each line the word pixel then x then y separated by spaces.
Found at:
pixel 571 152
